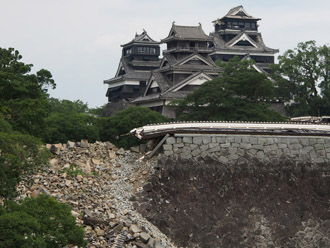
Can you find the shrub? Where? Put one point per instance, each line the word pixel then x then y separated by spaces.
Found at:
pixel 39 222
pixel 112 128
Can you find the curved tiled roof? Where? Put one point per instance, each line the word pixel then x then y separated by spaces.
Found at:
pixel 187 33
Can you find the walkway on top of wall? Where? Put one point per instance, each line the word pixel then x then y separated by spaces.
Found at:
pixel 251 128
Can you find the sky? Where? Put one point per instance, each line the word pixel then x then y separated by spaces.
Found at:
pixel 78 41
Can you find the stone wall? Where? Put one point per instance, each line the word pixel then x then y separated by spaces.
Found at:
pixel 241 191
pixel 239 149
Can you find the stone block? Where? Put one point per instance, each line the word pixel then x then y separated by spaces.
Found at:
pixel 221 139
pixel 214 139
pixel 204 154
pixel 232 150
pixel 294 153
pixel 170 141
pixel 294 141
pixel 223 159
pixel 178 145
pixel 225 145
pixel 187 140
pixel 245 139
pixel 260 155
pixel 197 140
pixel 186 155
pixel 253 140
pixel 269 141
pixel 232 157
pixel 318 160
pixel 240 152
pixel 177 150
pixel 320 141
pixel 304 141
pixel 295 146
pixel 212 145
pixel 196 152
pixel 238 139
pixel 230 139
pixel 193 146
pixel 258 147
pixel 167 147
pixel 215 149
pixel 312 141
pixel 203 147
pixel 267 149
pixel 186 150
pixel 273 147
pixel 246 145
pixel 235 145
pixel 253 151
pixel 178 140
pixel 168 153
pixel 320 153
pixel 262 141
pixel 319 146
pixel 207 139
pixel 282 146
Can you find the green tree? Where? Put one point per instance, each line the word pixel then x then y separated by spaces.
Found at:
pixel 40 222
pixel 303 77
pixel 112 128
pixel 61 127
pixel 67 106
pixel 20 155
pixel 23 95
pixel 98 111
pixel 238 94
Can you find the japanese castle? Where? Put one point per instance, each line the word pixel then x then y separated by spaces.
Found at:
pixel 144 79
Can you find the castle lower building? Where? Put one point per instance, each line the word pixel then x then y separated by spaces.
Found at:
pixel 185 66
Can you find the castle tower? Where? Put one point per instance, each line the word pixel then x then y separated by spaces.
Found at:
pixel 237 34
pixel 139 57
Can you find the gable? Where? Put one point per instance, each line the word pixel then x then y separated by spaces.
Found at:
pixel 194 82
pixel 164 63
pixel 121 70
pixel 240 12
pixel 244 40
pixel 195 60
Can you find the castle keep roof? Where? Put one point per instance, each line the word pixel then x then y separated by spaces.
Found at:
pixel 186 33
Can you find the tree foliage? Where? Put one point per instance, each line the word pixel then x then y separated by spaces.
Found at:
pixel 238 94
pixel 66 106
pixel 61 127
pixel 20 156
pixel 303 76
pixel 112 128
pixel 23 95
pixel 40 222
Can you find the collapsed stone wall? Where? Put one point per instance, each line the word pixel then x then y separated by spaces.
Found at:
pixel 241 191
pixel 239 149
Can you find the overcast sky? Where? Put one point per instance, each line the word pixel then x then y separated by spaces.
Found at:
pixel 78 41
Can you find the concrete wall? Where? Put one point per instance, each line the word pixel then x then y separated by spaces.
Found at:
pixel 240 149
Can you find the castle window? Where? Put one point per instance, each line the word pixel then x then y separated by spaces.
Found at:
pixel 152 50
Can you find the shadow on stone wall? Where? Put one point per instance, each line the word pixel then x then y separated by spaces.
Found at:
pixel 208 204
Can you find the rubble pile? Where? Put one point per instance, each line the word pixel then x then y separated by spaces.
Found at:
pixel 99 181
